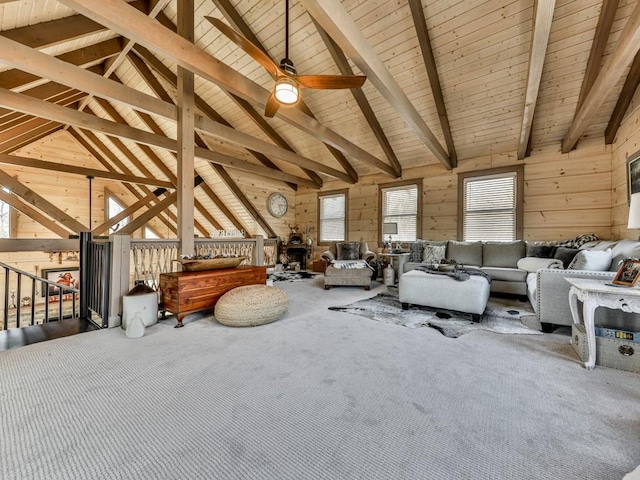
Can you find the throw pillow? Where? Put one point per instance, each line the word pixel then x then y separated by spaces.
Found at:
pixel 577 242
pixel 433 253
pixel 416 251
pixel 349 251
pixel 566 255
pixel 533 264
pixel 541 251
pixel 594 260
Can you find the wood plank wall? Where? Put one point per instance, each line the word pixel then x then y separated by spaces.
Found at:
pixel 565 195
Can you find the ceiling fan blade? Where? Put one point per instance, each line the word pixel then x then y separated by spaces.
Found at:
pixel 272 106
pixel 245 44
pixel 330 82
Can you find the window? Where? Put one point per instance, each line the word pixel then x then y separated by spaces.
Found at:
pixel 5 220
pixel 491 204
pixel 400 204
pixel 114 207
pixel 149 233
pixel 332 216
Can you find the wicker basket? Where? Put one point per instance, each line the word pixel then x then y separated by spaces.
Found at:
pixel 210 263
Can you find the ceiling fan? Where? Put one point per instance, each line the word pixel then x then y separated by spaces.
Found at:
pixel 288 83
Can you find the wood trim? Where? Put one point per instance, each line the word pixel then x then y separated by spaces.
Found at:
pixel 624 100
pixel 345 192
pixel 422 31
pixel 336 21
pixel 519 170
pixel 600 39
pixel 622 55
pixel 542 19
pixel 417 182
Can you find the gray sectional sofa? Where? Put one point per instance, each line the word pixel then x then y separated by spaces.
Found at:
pixel 546 288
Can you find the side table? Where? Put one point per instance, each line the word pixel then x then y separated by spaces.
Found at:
pixel 594 294
pixel 401 259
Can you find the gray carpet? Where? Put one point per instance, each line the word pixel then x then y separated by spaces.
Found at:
pixel 502 315
pixel 315 395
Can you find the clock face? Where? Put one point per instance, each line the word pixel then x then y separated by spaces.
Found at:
pixel 277 205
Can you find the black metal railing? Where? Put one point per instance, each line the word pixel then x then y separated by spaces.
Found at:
pixel 95 278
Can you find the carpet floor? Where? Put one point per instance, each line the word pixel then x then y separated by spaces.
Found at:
pixel 318 394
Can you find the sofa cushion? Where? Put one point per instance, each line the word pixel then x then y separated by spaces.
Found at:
pixel 594 260
pixel 621 250
pixel 506 274
pixel 348 250
pixel 566 255
pixel 465 253
pixel 433 253
pixel 541 251
pixel 502 254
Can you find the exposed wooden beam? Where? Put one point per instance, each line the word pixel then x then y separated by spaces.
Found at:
pixel 154 211
pixel 624 100
pixel 129 22
pixel 88 139
pixel 40 203
pixel 542 18
pixel 19 80
pixel 44 65
pixel 58 167
pixel 128 211
pixel 336 21
pixel 146 58
pixel 237 21
pixel 41 128
pixel 64 115
pixel 600 39
pixel 34 214
pixel 223 208
pixel 420 25
pixel 617 61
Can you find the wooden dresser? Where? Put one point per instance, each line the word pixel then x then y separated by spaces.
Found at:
pixel 182 293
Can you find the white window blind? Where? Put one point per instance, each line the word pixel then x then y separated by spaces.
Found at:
pixel 400 206
pixel 114 208
pixel 490 207
pixel 332 218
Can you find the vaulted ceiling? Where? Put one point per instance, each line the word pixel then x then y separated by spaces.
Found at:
pixel 447 80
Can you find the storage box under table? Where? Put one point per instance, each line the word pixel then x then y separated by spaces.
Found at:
pixel 610 352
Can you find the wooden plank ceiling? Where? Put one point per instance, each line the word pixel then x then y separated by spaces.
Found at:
pixel 448 80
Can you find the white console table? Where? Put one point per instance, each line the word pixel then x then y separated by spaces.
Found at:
pixel 594 294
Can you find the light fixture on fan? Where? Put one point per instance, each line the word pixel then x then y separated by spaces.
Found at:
pixel 286 91
pixel 288 85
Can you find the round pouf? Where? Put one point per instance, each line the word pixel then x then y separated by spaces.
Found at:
pixel 251 305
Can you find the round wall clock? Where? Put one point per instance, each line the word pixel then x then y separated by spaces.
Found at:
pixel 277 204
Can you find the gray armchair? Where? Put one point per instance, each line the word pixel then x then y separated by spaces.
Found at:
pixel 354 275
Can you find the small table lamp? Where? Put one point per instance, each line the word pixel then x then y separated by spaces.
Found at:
pixel 389 229
pixel 634 212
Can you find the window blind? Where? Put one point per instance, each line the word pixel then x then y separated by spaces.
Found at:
pixel 332 218
pixel 490 208
pixel 400 206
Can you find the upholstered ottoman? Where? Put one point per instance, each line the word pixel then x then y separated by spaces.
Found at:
pixel 348 272
pixel 440 291
pixel 251 305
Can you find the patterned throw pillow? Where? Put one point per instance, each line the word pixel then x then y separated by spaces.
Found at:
pixel 349 251
pixel 577 242
pixel 433 253
pixel 416 251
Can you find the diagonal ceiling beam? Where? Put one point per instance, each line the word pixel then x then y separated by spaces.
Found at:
pixel 40 203
pixel 41 128
pixel 420 25
pixel 238 22
pixel 58 167
pixel 46 66
pixel 600 39
pixel 624 100
pixel 336 21
pixel 343 65
pixel 542 18
pixel 108 159
pixel 154 211
pixel 128 211
pixel 622 55
pixel 34 214
pixel 127 21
